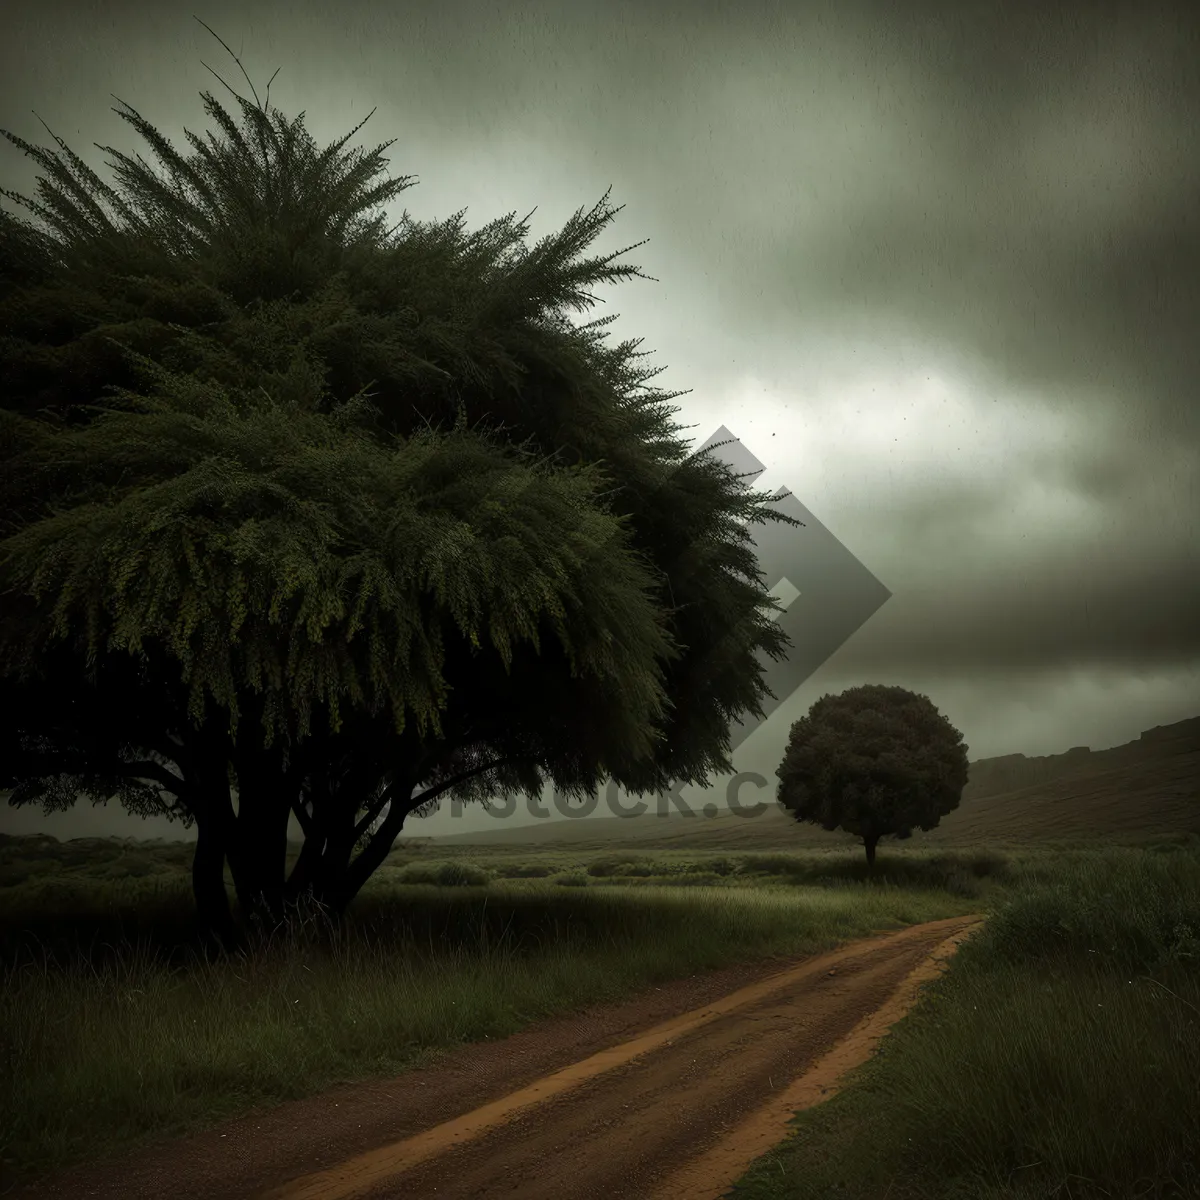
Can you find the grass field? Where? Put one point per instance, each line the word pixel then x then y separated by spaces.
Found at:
pixel 1075 1014
pixel 1057 1058
pixel 112 1030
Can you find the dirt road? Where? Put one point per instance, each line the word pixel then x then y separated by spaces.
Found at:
pixel 668 1096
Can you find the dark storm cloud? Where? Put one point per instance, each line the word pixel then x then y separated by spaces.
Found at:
pixel 1064 611
pixel 1066 246
pixel 1026 182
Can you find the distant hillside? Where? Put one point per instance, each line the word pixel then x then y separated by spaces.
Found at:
pixel 1010 772
pixel 1146 787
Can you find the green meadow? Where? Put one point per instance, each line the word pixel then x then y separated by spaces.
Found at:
pixel 1058 1054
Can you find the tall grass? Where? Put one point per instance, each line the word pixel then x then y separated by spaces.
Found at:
pixel 1058 1057
pixel 113 1030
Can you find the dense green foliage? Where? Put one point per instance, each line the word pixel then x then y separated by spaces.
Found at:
pixel 341 518
pixel 874 761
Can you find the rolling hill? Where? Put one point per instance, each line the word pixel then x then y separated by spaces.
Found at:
pixel 1143 788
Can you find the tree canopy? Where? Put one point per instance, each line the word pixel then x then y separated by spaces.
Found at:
pixel 341 518
pixel 874 761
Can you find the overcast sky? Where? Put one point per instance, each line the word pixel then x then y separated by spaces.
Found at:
pixel 935 265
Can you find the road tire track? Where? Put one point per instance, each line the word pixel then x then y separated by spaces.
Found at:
pixel 671 1093
pixel 660 1114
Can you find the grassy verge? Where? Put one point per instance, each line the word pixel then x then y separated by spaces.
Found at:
pixel 113 1031
pixel 1058 1057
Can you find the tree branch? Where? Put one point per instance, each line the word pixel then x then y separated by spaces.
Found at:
pixel 384 798
pixel 156 772
pixel 174 751
pixel 396 815
pixel 373 811
pixel 306 821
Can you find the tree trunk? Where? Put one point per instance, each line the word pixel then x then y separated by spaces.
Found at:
pixel 871 843
pixel 206 756
pixel 208 887
pixel 350 880
pixel 347 879
pixel 326 873
pixel 305 876
pixel 264 807
pixel 339 807
pixel 321 857
pixel 320 872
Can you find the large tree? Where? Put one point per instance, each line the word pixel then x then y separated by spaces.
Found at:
pixel 874 761
pixel 340 519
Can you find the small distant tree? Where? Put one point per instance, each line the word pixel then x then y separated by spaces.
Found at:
pixel 874 761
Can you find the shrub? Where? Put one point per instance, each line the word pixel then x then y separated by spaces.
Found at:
pixel 602 868
pixel 773 864
pixel 983 863
pixel 525 871
pixel 960 883
pixel 450 874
